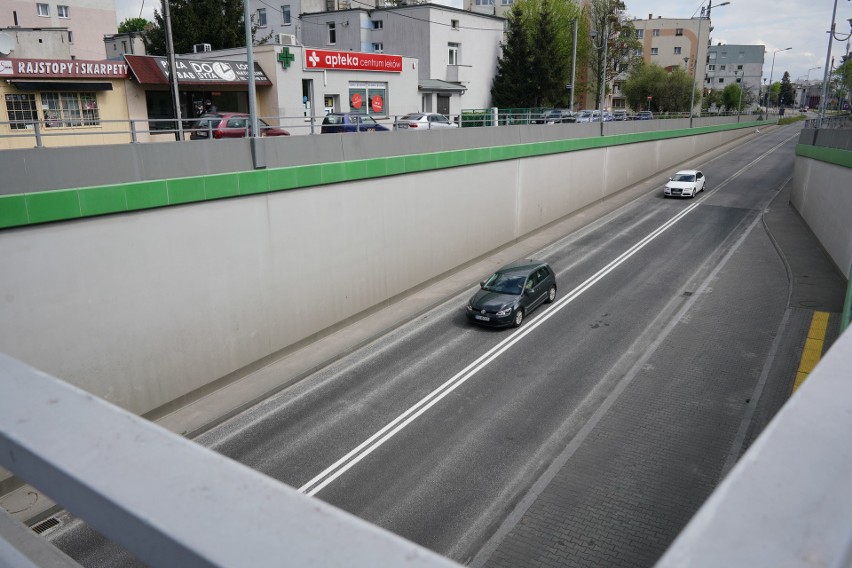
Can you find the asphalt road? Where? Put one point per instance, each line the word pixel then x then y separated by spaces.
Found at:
pixel 627 396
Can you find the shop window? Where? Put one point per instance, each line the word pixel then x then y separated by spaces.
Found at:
pixel 368 98
pixel 261 17
pixel 453 53
pixel 70 109
pixel 63 12
pixel 22 111
pixel 332 33
pixel 43 10
pixel 285 15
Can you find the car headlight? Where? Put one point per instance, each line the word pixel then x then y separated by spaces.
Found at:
pixel 469 308
pixel 505 311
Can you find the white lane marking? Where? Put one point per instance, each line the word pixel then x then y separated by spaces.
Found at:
pixel 372 443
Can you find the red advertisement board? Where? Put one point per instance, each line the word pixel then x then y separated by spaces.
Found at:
pixel 352 61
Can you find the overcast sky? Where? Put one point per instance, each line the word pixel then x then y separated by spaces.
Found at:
pixel 777 24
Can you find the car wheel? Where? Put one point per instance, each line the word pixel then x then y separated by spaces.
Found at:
pixel 551 294
pixel 519 317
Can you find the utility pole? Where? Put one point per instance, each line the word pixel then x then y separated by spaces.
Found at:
pixel 170 48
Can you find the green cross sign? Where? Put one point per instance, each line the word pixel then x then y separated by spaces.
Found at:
pixel 285 57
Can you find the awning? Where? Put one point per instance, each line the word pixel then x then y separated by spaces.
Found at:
pixel 31 85
pixel 150 70
pixel 438 86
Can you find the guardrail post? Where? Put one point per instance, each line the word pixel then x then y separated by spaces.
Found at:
pixel 847 304
pixel 133 138
pixel 37 129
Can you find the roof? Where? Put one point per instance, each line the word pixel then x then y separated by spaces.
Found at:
pixel 438 86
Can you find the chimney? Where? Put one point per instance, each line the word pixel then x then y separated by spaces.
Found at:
pixel 650 16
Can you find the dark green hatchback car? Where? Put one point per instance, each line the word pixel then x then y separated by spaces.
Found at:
pixel 506 297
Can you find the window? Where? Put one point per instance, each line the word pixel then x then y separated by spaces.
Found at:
pixel 454 24
pixel 711 67
pixel 70 109
pixel 285 15
pixel 63 11
pixel 453 53
pixel 506 2
pixel 739 80
pixel 332 33
pixel 739 67
pixel 677 51
pixel 261 17
pixel 21 109
pixel 70 36
pixel 678 31
pixel 656 32
pixel 654 51
pixel 724 54
pixel 721 79
pixel 378 24
pixel 43 9
pixel 484 2
pixel 640 34
pixel 379 47
pixel 722 67
pixel 368 98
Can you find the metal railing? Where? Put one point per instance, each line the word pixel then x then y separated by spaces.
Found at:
pixel 42 134
pixel 103 464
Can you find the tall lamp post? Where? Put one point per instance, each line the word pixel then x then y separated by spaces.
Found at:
pixel 805 87
pixel 771 71
pixel 831 37
pixel 695 63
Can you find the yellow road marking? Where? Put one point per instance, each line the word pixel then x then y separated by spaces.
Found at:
pixel 813 347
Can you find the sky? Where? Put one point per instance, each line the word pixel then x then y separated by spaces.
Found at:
pixel 776 24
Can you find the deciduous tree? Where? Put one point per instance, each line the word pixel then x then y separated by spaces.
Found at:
pixel 217 22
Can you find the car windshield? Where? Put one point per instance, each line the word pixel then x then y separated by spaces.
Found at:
pixel 505 283
pixel 683 177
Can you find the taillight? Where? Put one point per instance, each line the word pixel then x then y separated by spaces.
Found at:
pixel 217 134
pixel 413 125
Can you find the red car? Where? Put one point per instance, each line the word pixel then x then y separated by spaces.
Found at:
pixel 230 125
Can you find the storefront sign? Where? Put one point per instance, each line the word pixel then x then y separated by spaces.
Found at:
pixel 199 71
pixel 352 61
pixel 63 69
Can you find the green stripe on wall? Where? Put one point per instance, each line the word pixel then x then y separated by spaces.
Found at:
pixel 59 205
pixel 830 155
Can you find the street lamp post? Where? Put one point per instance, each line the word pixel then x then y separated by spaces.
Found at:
pixel 740 103
pixel 805 87
pixel 771 71
pixel 695 63
pixel 831 37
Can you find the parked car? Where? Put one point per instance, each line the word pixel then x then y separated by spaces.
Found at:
pixel 619 115
pixel 230 125
pixel 553 116
pixel 335 122
pixel 685 183
pixel 506 297
pixel 644 115
pixel 588 116
pixel 424 121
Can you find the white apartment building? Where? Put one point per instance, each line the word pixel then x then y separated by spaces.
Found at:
pixel 84 23
pixel 456 50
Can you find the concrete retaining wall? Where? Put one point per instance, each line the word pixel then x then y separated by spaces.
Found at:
pixel 142 308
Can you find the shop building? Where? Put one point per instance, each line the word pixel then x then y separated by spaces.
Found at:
pixel 70 102
pixel 308 82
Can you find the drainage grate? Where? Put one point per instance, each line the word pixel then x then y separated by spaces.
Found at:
pixel 45 525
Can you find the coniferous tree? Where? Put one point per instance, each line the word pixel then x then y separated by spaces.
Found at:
pixel 785 95
pixel 512 84
pixel 547 68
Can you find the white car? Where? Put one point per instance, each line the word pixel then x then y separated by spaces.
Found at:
pixel 424 121
pixel 685 183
